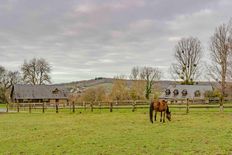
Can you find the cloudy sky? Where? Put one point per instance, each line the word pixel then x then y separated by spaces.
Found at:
pixel 83 39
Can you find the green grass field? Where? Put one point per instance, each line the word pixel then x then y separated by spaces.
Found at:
pixel 120 132
pixel 2 105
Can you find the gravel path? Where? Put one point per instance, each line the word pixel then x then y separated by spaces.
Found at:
pixel 2 109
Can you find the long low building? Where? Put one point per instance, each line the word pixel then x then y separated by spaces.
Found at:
pixel 39 93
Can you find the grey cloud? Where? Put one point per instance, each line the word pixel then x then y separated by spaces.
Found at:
pixel 87 38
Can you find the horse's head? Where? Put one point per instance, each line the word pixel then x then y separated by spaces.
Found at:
pixel 168 115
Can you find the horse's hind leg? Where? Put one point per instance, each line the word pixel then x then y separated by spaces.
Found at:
pixel 155 115
pixel 164 118
pixel 161 116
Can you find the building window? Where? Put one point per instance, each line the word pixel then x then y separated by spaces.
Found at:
pixel 167 92
pixel 197 93
pixel 55 91
pixel 175 92
pixel 184 92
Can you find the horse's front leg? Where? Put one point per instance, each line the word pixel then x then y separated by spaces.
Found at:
pixel 164 118
pixel 161 116
pixel 155 115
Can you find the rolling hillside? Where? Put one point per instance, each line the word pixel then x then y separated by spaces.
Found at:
pixel 79 86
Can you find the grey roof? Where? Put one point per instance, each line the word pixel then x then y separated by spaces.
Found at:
pixel 191 89
pixel 20 91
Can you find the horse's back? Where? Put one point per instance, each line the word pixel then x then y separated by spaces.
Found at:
pixel 160 106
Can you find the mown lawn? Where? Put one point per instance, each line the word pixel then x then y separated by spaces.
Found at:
pixel 120 132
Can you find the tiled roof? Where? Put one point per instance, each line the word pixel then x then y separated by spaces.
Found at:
pixel 191 89
pixel 20 91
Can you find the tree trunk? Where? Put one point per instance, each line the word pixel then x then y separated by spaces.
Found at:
pixel 223 87
pixel 221 104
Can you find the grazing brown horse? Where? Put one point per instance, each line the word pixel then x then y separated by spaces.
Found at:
pixel 160 106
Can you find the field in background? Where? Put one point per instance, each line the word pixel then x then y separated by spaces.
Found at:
pixel 120 132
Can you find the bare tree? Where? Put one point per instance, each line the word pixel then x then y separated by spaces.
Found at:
pixel 137 87
pixel 150 75
pixel 2 89
pixel 188 52
pixel 119 89
pixel 134 73
pixel 221 48
pixel 7 80
pixel 229 76
pixel 2 74
pixel 12 78
pixel 36 71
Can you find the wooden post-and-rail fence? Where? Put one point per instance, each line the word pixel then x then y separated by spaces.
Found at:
pixel 77 105
pixel 130 104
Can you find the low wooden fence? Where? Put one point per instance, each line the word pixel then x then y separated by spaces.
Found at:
pixel 133 105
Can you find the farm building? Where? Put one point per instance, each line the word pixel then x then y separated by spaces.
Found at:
pixel 180 92
pixel 39 93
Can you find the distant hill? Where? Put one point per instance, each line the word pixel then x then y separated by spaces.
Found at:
pixel 79 86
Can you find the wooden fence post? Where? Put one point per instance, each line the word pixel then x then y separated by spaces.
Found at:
pixel 187 106
pixel 73 106
pixel 221 104
pixel 91 106
pixel 43 107
pixel 99 104
pixel 111 106
pixel 84 104
pixel 17 107
pixel 57 109
pixel 7 107
pixel 29 107
pixel 133 104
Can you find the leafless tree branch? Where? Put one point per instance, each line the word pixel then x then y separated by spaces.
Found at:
pixel 36 71
pixel 221 52
pixel 188 52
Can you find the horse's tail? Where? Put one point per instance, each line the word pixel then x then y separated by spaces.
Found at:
pixel 151 112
